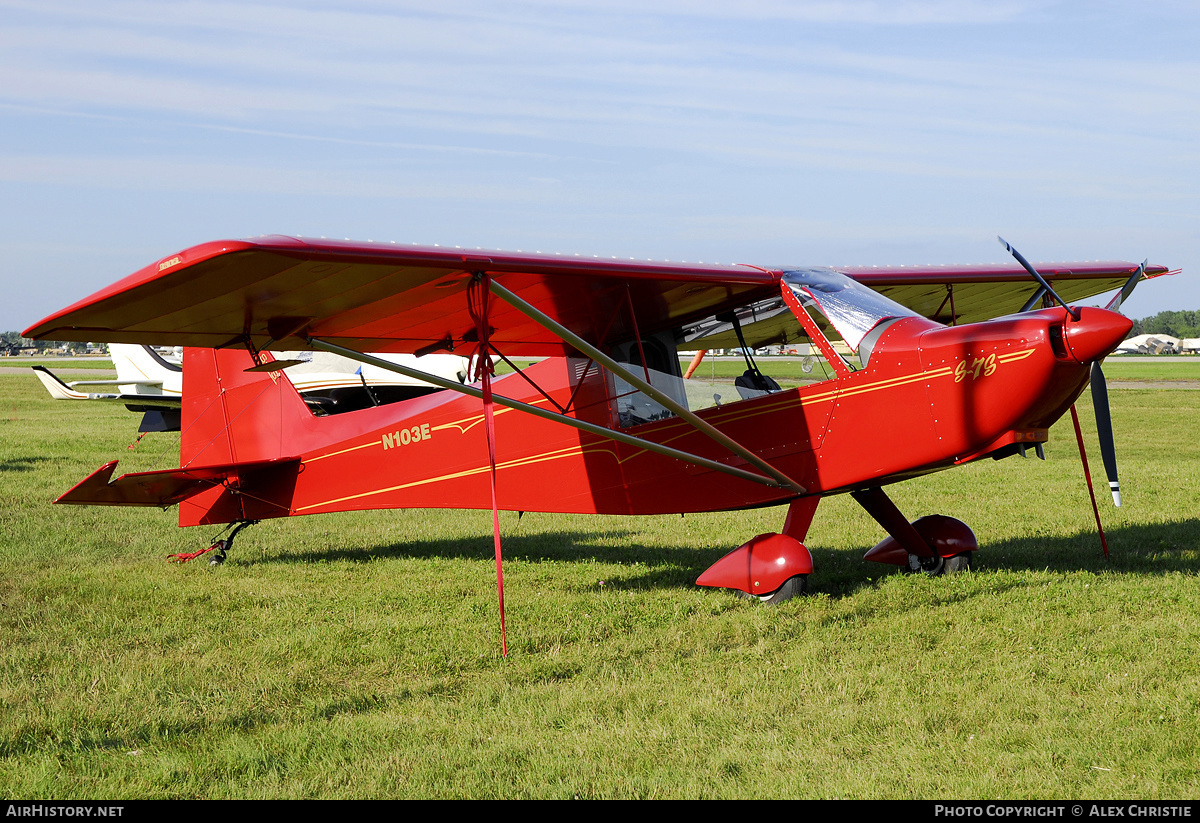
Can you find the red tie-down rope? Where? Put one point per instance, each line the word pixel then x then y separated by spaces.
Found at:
pixel 479 304
pixel 1088 476
pixel 183 558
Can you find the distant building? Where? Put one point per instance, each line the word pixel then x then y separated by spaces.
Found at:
pixel 1150 344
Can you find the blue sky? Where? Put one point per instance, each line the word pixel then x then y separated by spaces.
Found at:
pixel 761 131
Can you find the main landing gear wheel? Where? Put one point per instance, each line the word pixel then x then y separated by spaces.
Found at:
pixel 959 563
pixel 936 565
pixel 792 587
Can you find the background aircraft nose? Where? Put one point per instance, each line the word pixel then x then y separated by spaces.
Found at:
pixel 1096 333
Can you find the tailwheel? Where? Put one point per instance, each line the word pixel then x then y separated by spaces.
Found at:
pixel 795 586
pixel 221 547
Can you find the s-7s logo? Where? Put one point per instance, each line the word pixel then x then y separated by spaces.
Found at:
pixel 979 368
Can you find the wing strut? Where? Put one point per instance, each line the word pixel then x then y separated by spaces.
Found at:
pixel 546 414
pixel 659 397
pixel 478 304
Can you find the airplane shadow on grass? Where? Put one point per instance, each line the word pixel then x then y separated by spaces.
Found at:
pixel 22 464
pixel 1155 549
pixel 1146 549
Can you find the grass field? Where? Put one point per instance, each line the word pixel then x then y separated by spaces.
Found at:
pixel 55 363
pixel 358 655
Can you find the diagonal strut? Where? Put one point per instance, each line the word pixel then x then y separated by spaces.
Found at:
pixel 546 414
pixel 698 423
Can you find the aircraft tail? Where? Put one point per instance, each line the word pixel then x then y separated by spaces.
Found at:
pixel 242 432
pixel 140 370
pixel 57 388
pixel 233 417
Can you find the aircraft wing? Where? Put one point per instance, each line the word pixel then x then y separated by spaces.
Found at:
pixel 969 294
pixel 374 297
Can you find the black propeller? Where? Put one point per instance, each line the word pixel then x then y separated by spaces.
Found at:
pixel 1099 387
pixel 1104 431
pixel 1100 395
pixel 1045 285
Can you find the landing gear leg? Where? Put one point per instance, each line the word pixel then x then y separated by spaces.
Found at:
pixel 932 545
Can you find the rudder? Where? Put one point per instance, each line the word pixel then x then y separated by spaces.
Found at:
pixel 233 416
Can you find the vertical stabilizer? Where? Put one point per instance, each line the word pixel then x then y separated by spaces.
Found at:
pixel 234 416
pixel 142 371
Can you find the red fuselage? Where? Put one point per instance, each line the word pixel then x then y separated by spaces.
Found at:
pixel 931 397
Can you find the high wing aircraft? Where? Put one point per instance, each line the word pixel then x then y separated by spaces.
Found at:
pixel 150 383
pixel 932 368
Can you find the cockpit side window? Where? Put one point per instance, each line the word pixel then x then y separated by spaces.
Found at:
pixel 729 357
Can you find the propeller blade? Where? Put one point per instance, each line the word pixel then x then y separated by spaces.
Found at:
pixel 1029 268
pixel 1104 429
pixel 1127 289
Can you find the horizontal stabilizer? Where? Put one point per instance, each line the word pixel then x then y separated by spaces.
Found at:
pixel 57 388
pixel 158 488
pixel 136 401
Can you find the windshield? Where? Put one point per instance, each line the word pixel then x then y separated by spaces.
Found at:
pixel 852 308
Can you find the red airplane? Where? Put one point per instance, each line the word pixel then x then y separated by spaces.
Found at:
pixel 927 368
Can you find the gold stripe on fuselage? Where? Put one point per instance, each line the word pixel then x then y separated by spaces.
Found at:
pixel 557 454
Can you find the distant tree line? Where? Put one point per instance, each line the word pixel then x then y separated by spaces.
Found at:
pixel 1173 323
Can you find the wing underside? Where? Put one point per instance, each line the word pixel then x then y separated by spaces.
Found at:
pixel 276 292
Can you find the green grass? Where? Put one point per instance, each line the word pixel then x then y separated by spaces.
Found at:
pixel 55 363
pixel 1160 368
pixel 358 655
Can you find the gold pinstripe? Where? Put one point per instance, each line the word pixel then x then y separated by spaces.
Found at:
pixel 557 454
pixel 342 451
pixel 1015 356
pixel 572 451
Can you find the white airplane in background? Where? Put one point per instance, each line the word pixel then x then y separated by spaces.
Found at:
pixel 141 373
pixel 150 382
